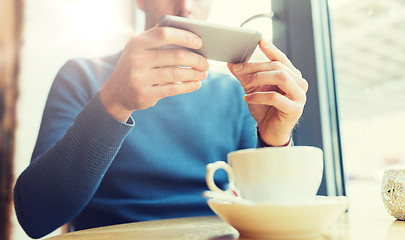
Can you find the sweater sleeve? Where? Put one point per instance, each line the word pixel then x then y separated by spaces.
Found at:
pixel 78 141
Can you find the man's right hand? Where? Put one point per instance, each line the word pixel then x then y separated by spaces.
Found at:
pixel 146 72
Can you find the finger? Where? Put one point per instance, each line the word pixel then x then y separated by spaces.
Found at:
pixel 244 71
pixel 176 57
pixel 284 81
pixel 174 74
pixel 274 54
pixel 282 103
pixel 253 67
pixel 162 36
pixel 173 89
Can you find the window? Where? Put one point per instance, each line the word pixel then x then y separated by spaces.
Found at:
pixel 369 56
pixel 352 54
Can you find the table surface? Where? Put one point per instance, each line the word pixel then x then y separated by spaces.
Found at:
pixel 366 219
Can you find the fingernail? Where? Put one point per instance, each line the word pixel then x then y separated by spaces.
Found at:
pixel 204 74
pixel 265 43
pixel 207 65
pixel 197 42
pixel 246 81
pixel 237 67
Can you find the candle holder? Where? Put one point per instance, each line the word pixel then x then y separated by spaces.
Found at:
pixel 393 192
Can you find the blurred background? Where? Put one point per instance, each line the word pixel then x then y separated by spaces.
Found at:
pixel 368 54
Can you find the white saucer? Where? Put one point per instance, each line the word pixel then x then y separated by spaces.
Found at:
pixel 267 220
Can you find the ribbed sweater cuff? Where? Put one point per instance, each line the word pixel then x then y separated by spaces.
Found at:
pixel 100 124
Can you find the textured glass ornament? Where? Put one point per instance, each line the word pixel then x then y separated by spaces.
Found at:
pixel 393 192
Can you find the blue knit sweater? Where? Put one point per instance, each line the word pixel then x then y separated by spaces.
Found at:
pixel 91 170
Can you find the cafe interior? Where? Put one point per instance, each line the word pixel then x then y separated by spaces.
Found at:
pixel 352 53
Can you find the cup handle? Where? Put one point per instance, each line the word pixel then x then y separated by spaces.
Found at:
pixel 212 168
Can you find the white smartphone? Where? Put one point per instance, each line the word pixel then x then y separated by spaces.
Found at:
pixel 220 43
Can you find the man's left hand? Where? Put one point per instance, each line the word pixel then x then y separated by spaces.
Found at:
pixel 275 93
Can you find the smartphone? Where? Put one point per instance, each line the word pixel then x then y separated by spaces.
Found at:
pixel 220 43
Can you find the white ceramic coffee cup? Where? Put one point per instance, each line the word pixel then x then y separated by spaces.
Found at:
pixel 276 174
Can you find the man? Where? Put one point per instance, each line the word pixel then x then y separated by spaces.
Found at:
pixel 126 138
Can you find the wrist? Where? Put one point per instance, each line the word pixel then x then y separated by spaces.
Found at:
pixel 276 142
pixel 115 110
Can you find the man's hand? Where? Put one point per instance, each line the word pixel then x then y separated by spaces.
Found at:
pixel 146 72
pixel 275 93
